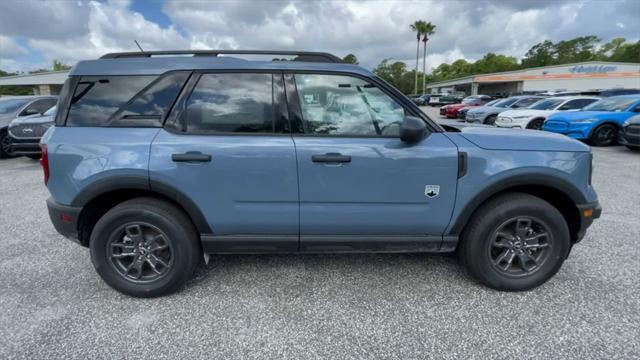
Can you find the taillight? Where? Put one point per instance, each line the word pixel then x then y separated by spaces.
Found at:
pixel 44 162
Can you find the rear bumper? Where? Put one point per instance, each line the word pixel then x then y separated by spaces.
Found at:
pixel 588 213
pixel 64 219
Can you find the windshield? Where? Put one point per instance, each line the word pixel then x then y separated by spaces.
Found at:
pixel 611 104
pixel 51 111
pixel 547 104
pixel 471 101
pixel 505 102
pixel 493 102
pixel 9 106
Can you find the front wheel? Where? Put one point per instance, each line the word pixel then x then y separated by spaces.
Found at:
pixel 145 247
pixel 490 120
pixel 515 242
pixel 603 135
pixel 5 145
pixel 536 124
pixel 633 148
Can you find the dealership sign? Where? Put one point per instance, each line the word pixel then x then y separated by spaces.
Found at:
pixel 592 69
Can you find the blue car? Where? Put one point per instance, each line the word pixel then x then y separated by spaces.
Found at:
pixel 157 161
pixel 597 123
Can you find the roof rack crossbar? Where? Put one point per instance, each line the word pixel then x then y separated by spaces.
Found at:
pixel 307 56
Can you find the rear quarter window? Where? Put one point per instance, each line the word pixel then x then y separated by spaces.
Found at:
pixel 123 100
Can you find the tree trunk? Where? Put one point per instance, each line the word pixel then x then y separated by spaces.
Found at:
pixel 415 84
pixel 424 69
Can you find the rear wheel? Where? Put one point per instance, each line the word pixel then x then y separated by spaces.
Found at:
pixel 490 120
pixel 535 124
pixel 34 157
pixel 603 135
pixel 145 247
pixel 515 242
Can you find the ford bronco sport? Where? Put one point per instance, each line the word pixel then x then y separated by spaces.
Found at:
pixel 158 159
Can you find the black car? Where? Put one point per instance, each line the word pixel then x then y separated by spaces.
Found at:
pixel 629 135
pixel 25 133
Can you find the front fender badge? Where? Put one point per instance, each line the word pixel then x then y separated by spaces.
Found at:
pixel 431 191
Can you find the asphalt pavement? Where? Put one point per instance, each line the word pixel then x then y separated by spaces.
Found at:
pixel 409 306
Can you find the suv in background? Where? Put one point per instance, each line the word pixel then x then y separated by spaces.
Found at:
pixel 157 160
pixel 488 113
pixel 12 107
pixel 25 133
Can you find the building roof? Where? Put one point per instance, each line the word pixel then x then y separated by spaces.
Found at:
pixel 45 78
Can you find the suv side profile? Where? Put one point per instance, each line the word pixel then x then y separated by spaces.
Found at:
pixel 156 161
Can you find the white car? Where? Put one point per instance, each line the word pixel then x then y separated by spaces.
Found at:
pixel 534 116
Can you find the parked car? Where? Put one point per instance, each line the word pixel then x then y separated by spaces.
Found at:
pixel 462 113
pixel 451 111
pixel 534 116
pixel 617 92
pixel 444 99
pixel 422 99
pixel 12 107
pixel 629 135
pixel 155 160
pixel 597 123
pixel 25 133
pixel 488 113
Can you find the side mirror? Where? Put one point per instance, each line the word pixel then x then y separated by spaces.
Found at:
pixel 412 130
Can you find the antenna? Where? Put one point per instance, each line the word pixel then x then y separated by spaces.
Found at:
pixel 139 47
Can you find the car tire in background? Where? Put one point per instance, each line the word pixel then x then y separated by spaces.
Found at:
pixel 34 157
pixel 5 145
pixel 603 135
pixel 535 124
pixel 145 247
pixel 515 242
pixel 633 148
pixel 490 120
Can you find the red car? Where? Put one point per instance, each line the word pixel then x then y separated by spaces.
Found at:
pixel 451 111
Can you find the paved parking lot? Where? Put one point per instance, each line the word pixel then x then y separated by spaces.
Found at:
pixel 53 305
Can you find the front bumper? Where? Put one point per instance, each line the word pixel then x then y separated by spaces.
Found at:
pixel 64 219
pixel 25 146
pixel 588 213
pixel 629 139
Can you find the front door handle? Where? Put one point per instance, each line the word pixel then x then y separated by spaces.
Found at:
pixel 331 158
pixel 191 156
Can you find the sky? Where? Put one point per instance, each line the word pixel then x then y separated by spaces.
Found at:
pixel 33 33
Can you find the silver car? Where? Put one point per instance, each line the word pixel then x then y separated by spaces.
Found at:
pixel 488 114
pixel 12 107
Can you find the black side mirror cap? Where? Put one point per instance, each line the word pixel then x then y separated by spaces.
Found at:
pixel 412 130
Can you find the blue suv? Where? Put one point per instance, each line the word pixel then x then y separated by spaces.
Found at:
pixel 158 160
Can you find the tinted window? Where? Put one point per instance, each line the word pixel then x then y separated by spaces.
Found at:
pixel 231 103
pixel 548 104
pixel 612 104
pixel 342 105
pixel 96 98
pixel 8 106
pixel 577 104
pixel 526 102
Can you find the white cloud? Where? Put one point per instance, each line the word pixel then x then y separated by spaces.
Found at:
pixel 373 30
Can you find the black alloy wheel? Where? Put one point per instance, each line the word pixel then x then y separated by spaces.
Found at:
pixel 140 252
pixel 536 124
pixel 604 135
pixel 520 246
pixel 490 120
pixel 5 145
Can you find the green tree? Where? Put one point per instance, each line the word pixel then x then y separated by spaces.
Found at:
pixel 541 54
pixel 427 29
pixel 417 27
pixel 60 66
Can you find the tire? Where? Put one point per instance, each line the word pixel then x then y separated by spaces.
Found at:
pixel 481 246
pixel 603 135
pixel 34 157
pixel 5 142
pixel 176 242
pixel 490 120
pixel 633 148
pixel 535 124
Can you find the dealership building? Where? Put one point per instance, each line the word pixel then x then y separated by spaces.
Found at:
pixel 591 75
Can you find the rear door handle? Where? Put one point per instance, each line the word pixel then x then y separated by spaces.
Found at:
pixel 191 156
pixel 331 158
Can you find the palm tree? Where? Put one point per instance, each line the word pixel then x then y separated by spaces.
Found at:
pixel 417 27
pixel 428 29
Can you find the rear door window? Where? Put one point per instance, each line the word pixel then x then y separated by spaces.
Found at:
pixel 231 103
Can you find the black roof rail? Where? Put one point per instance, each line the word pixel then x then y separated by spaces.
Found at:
pixel 306 56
